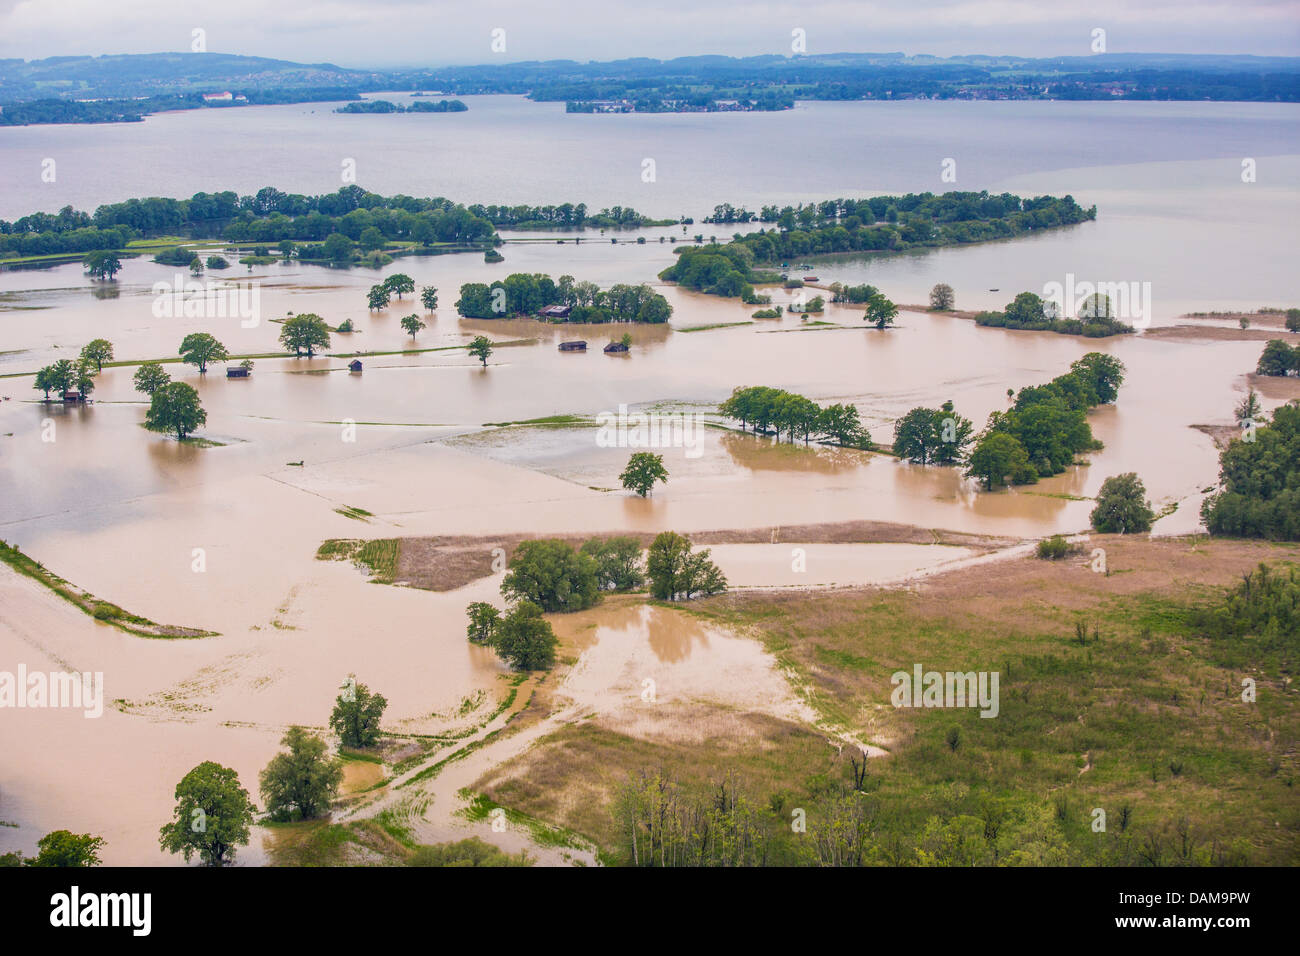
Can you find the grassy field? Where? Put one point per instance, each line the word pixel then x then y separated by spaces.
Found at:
pixel 1111 698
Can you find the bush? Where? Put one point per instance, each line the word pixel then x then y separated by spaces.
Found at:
pixel 1053 548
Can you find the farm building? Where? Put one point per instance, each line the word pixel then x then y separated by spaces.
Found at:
pixel 578 346
pixel 354 365
pixel 615 347
pixel 238 372
pixel 555 312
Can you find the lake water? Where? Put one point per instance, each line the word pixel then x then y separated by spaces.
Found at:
pixel 120 511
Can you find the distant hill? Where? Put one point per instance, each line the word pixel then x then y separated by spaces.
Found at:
pixel 768 81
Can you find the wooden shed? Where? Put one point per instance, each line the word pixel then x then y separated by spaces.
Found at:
pixel 578 346
pixel 237 372
pixel 555 312
pixel 613 347
pixel 354 365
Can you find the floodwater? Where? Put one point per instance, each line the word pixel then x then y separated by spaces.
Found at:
pixel 223 538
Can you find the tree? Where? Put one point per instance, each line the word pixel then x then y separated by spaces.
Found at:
pixel 643 470
pixel 377 298
pixel 337 247
pixel 880 311
pixel 1278 358
pixel 997 457
pixel 480 348
pixel 398 283
pixel 618 562
pixel 412 324
pixel 675 571
pixel 655 309
pixel 212 816
pixel 1250 410
pixel 301 784
pixel 83 376
pixel 552 575
pixel 483 622
pixel 356 715
pixel 67 849
pixel 429 296
pixel 936 436
pixel 150 377
pixel 371 239
pixel 196 266
pixel 1122 507
pixel 175 407
pixel 307 331
pixel 1293 320
pixel 524 638
pixel 45 381
pixel 200 348
pixel 942 298
pixel 59 377
pixel 218 262
pixel 102 264
pixel 98 351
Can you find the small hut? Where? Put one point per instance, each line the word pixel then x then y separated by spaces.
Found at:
pixel 555 312
pixel 579 346
pixel 613 347
pixel 72 395
pixel 354 365
pixel 237 371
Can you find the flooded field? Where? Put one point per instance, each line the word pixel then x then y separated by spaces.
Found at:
pixel 425 441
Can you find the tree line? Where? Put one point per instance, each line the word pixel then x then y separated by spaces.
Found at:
pixel 776 411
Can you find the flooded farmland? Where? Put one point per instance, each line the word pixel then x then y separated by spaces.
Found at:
pixel 426 441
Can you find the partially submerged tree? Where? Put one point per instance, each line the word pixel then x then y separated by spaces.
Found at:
pixel 429 296
pixel 98 351
pixel 412 324
pixel 643 470
pixel 102 264
pixel 356 715
pixel 211 818
pixel 300 784
pixel 201 349
pixel 175 407
pixel 1122 506
pixel 150 377
pixel 524 638
pixel 480 348
pixel 306 332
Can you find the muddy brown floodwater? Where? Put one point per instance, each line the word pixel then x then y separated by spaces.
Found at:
pixel 224 537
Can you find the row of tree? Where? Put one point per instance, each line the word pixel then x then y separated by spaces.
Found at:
pixel 776 411
pixel 524 294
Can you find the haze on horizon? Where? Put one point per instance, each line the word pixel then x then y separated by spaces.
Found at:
pixel 395 33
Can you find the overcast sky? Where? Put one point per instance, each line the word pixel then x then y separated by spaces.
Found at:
pixel 360 33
